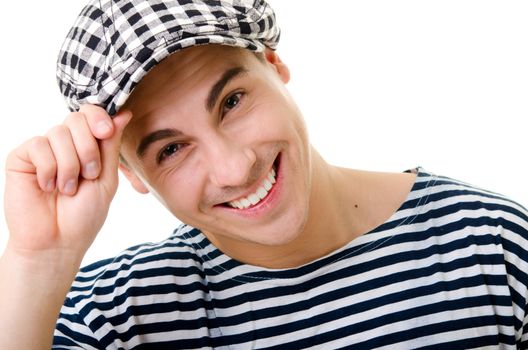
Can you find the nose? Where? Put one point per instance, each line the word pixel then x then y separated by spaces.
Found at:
pixel 230 162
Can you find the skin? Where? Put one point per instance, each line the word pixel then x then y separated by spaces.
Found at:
pixel 59 186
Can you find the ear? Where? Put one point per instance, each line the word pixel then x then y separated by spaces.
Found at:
pixel 281 68
pixel 135 181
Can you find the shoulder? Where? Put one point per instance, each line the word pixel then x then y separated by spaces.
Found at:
pixel 135 284
pixel 152 262
pixel 440 191
pixel 460 205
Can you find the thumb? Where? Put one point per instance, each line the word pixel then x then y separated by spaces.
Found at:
pixel 110 147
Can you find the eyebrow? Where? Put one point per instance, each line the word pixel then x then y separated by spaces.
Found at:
pixel 217 88
pixel 153 137
pixel 210 102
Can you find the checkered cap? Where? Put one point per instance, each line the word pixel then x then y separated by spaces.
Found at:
pixel 114 43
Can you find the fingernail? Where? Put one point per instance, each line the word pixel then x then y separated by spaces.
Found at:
pixel 104 127
pixel 50 186
pixel 69 186
pixel 91 170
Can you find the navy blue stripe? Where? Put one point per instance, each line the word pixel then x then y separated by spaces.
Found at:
pixel 414 236
pixel 517 299
pixel 279 291
pixel 382 261
pixel 173 255
pixel 450 209
pixel 411 293
pixel 160 327
pixel 79 337
pixel 371 324
pixel 199 343
pixel 472 343
pixel 486 219
pixel 303 305
pixel 145 291
pixel 155 308
pixel 453 325
pixel 140 274
pixel 511 246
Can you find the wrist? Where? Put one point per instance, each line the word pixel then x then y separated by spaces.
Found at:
pixel 32 290
pixel 55 266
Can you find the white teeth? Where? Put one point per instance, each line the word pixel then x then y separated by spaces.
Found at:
pixel 254 198
pixel 271 177
pixel 261 192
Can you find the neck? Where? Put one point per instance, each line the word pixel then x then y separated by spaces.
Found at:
pixel 330 222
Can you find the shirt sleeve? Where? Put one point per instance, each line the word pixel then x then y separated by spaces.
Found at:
pixel 71 332
pixel 515 244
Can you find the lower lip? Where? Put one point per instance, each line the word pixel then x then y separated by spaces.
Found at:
pixel 265 203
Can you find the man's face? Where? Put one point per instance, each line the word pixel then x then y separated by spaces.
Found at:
pixel 218 139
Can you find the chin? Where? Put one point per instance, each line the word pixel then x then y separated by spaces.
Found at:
pixel 279 233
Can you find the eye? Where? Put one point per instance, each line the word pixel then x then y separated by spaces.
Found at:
pixel 231 102
pixel 169 151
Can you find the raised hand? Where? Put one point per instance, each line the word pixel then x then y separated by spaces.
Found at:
pixel 59 186
pixel 58 191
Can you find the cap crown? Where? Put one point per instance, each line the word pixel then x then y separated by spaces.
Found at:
pixel 114 43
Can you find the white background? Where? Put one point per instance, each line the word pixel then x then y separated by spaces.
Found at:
pixel 384 85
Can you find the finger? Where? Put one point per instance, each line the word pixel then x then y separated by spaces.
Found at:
pixel 34 157
pixel 68 166
pixel 110 147
pixel 85 144
pixel 41 156
pixel 98 120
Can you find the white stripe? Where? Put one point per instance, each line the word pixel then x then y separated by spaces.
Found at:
pixel 76 327
pixel 445 337
pixel 371 255
pixel 379 292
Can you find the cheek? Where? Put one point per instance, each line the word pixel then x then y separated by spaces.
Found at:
pixel 279 121
pixel 180 192
pixel 290 127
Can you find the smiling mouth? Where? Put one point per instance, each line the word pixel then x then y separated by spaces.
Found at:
pixel 262 191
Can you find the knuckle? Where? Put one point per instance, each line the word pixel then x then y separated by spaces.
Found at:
pixel 89 153
pixel 69 170
pixel 48 164
pixel 97 118
pixel 12 156
pixel 56 131
pixel 73 118
pixel 94 113
pixel 37 142
pixel 46 171
pixel 92 109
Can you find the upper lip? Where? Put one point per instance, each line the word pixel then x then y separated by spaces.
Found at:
pixel 254 187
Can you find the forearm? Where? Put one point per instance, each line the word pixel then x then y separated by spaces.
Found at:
pixel 32 291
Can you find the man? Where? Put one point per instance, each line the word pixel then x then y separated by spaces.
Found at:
pixel 279 248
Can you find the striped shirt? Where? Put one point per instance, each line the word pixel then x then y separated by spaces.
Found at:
pixel 447 270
